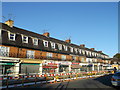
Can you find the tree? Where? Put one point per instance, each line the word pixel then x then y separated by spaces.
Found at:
pixel 117 57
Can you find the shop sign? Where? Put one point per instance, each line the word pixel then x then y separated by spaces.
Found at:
pixel 30 64
pixel 75 63
pixel 64 63
pixel 49 66
pixel 52 64
pixel 7 64
pixel 75 66
pixel 90 65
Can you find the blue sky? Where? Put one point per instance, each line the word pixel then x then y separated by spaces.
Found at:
pixel 94 24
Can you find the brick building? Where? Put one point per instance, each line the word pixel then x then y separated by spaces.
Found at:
pixel 40 53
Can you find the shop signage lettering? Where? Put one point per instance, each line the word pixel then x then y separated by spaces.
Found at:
pixel 49 66
pixel 75 63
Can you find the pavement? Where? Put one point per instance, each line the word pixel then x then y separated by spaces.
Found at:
pixel 90 83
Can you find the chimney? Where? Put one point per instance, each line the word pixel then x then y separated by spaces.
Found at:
pixel 100 51
pixel 46 34
pixel 93 49
pixel 82 45
pixel 9 23
pixel 68 41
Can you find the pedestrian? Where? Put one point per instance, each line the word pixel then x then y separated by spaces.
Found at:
pixel 115 69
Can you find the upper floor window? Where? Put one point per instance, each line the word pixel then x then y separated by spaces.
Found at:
pixel 60 46
pixel 73 57
pixel 63 57
pixel 53 45
pixel 92 53
pixel 65 47
pixel 71 49
pixel 49 55
pixel 87 53
pixel 24 39
pixel 35 41
pixel 11 36
pixel 80 51
pixel 76 50
pixel 45 43
pixel 4 51
pixel 83 52
pixel 30 54
pixel 82 60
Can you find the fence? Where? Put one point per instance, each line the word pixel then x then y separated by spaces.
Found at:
pixel 19 80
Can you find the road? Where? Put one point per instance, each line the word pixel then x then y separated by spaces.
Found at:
pixel 99 83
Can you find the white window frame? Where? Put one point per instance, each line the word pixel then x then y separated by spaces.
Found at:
pixel 52 45
pixel 74 57
pixel 83 51
pixel 80 51
pixel 35 43
pixel 60 46
pixel 23 39
pixel 9 35
pixel 49 55
pixel 65 47
pixel 76 50
pixel 30 54
pixel 71 49
pixel 44 42
pixel 82 59
pixel 63 57
pixel 4 51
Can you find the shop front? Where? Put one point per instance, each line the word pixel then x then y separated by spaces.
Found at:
pixel 84 67
pixel 90 67
pixel 64 66
pixel 9 65
pixel 49 67
pixel 30 66
pixel 75 67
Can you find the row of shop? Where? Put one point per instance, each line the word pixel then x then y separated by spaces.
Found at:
pixel 27 66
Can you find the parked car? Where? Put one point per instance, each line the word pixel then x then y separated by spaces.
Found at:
pixel 115 80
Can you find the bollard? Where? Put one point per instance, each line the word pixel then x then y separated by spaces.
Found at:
pixel 22 81
pixel 35 80
pixel 70 76
pixel 7 81
pixel 76 76
pixel 46 79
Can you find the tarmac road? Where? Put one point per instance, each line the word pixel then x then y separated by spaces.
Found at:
pixel 98 83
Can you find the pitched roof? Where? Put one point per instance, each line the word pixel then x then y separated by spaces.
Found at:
pixel 33 34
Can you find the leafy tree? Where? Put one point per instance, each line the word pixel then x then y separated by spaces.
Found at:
pixel 117 56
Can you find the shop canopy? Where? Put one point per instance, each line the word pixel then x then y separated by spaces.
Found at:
pixel 24 60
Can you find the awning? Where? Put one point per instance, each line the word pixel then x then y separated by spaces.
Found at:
pixel 24 60
pixel 9 59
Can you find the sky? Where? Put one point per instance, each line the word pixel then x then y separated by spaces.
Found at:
pixel 94 24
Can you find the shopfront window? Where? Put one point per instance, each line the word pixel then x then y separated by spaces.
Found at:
pixel 64 68
pixel 83 68
pixel 4 51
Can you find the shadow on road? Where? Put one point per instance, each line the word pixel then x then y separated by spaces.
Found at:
pixel 106 80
